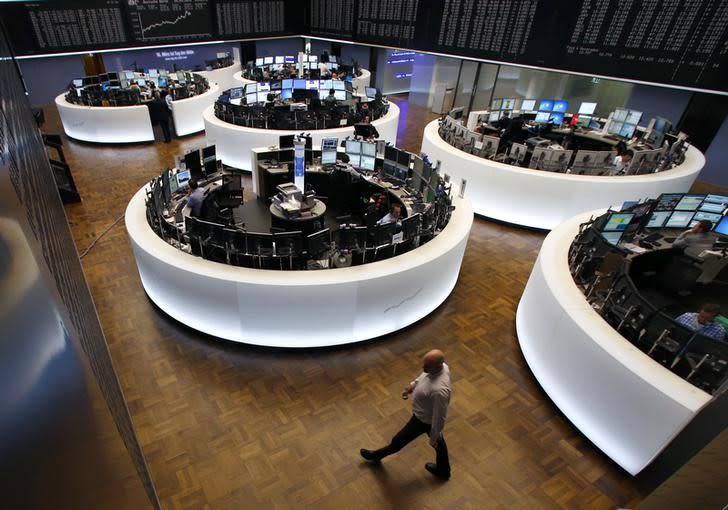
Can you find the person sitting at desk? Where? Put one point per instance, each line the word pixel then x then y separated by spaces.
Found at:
pixel 621 163
pixel 392 216
pixel 697 239
pixel 504 122
pixel 195 199
pixel 703 322
pixel 330 100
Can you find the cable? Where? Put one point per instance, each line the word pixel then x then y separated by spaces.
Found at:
pixel 102 234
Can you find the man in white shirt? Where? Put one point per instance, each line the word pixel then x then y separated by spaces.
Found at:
pixel 621 163
pixel 430 399
pixel 393 216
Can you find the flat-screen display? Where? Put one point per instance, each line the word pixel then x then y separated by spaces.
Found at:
pixel 612 238
pixel 78 83
pixel 299 84
pixel 561 106
pixel 326 85
pixel 262 97
pixel 236 93
pixel 390 153
pixel 546 105
pixel 279 60
pixel 689 202
pixel 286 93
pixel 679 219
pixel 251 88
pixel 543 117
pixel 509 103
pixel 370 92
pixel 712 207
pixel 251 98
pixel 142 83
pixel 258 61
pixel 702 215
pixel 718 199
pixel 161 81
pixel 584 121
pixel 354 160
pixel 528 105
pixel 289 59
pixel 312 84
pixel 369 149
pixel 494 116
pixel 403 158
pixel 328 157
pixel 339 85
pixel 367 163
pixel 627 130
pixel 633 117
pixel 668 201
pixel 557 118
pixel 263 86
pixel 587 108
pixel 658 219
pixel 183 178
pixel 722 226
pixel 496 104
pixel 353 147
pixel 340 95
pixel 617 221
pixel 287 84
pixel 620 115
pixel 267 60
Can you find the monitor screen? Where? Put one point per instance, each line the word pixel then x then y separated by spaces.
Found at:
pixel 722 226
pixel 561 106
pixel 612 238
pixel 658 219
pixel 543 117
pixel 546 105
pixel 183 178
pixel 689 202
pixel 583 121
pixel 620 115
pixel 587 108
pixel 370 92
pixel 390 153
pixel 717 199
pixel 279 60
pixel 275 85
pixel 285 141
pixel 340 95
pixel 702 215
pixel 528 105
pixel 299 84
pixel 286 93
pixel 326 85
pixel 679 219
pixel 264 86
pixel 633 117
pixel 259 61
pixel 617 221
pixel 369 149
pixel 354 160
pixel 496 104
pixel 161 81
pixel 306 65
pixel 712 207
pixel 153 73
pixel 353 147
pixel 312 84
pixel 627 130
pixel 367 163
pixel 494 116
pixel 287 84
pixel 557 118
pixel 267 60
pixel 328 157
pixel 615 127
pixel 339 85
pixel 329 143
pixel 313 58
pixel 236 93
pixel 142 83
pixel 509 103
pixel 403 158
pixel 668 201
pixel 129 75
pixel 289 59
pixel 78 83
pixel 251 88
pixel 251 98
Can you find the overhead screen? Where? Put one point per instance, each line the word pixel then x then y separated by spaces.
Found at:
pixel 649 41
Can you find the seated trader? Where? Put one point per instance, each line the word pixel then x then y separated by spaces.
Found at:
pixel 504 122
pixel 703 321
pixel 621 162
pixel 195 199
pixel 392 216
pixel 330 100
pixel 697 239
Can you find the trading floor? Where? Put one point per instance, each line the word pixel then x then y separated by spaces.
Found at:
pixel 227 425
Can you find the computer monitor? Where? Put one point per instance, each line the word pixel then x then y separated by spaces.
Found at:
pixel 543 117
pixel 613 238
pixel 285 141
pixel 390 153
pixel 403 158
pixel 264 86
pixel 319 242
pixel 194 164
pixel 620 115
pixel 142 83
pixel 717 199
pixel 561 106
pixel 262 97
pixel 289 59
pixel 658 219
pixel 508 103
pixel 371 92
pixel 689 203
pixel 351 239
pixel 287 83
pixel 312 84
pixel 286 93
pixel 557 118
pixel 367 163
pixel 633 117
pixel 78 83
pixel 587 108
pixel 259 61
pixel 279 60
pixel 251 88
pixel 183 178
pixel 369 149
pixel 267 60
pixel 496 104
pixel 679 219
pixel 129 75
pixel 457 113
pixel 583 121
pixel 299 84
pixel 546 105
pixel 617 222
pixel 528 105
pixel 668 201
pixel 236 93
pixel 162 81
pixel 328 157
pixel 353 147
pixel 494 116
pixel 702 215
pixel 340 95
pixel 712 207
pixel 251 98
pixel 326 85
pixel 354 160
pixel 627 130
pixel 722 226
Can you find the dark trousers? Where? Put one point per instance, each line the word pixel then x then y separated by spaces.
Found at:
pixel 411 431
pixel 164 124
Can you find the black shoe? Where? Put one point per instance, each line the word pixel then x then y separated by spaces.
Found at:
pixel 369 455
pixel 432 468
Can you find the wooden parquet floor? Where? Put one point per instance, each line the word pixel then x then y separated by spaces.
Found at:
pixel 230 426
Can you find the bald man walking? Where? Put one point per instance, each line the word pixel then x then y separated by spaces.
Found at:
pixel 430 398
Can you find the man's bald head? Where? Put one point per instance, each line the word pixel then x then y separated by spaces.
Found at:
pixel 432 361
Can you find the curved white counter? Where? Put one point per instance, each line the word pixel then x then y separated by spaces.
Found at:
pixel 298 308
pixel 187 113
pixel 626 403
pixel 234 143
pixel 224 77
pixel 239 81
pixel 105 124
pixel 541 199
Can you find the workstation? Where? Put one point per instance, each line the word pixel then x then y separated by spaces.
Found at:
pixel 385 226
pixel 545 165
pixel 221 70
pixel 617 286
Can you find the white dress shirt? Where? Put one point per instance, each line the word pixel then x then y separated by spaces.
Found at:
pixel 430 399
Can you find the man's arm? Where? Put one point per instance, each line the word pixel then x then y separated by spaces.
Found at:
pixel 439 414
pixel 411 386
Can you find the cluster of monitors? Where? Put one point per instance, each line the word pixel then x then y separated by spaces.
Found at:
pixel 624 122
pixel 160 78
pixel 551 111
pixel 258 92
pixel 673 210
pixel 201 163
pixel 309 61
pixel 362 155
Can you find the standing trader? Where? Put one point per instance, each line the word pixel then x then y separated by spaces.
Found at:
pixel 430 399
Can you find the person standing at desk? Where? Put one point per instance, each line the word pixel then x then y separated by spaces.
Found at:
pixel 703 322
pixel 195 198
pixel 697 239
pixel 159 114
pixel 430 399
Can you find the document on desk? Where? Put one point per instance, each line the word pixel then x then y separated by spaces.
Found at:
pixel 634 248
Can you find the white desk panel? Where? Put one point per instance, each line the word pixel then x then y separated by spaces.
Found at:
pixel 234 143
pixel 239 81
pixel 105 124
pixel 224 77
pixel 298 308
pixel 626 403
pixel 541 199
pixel 187 113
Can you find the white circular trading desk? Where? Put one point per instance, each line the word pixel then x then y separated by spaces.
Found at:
pixel 234 143
pixel 224 77
pixel 626 403
pixel 541 199
pixel 238 80
pixel 187 113
pixel 105 124
pixel 298 308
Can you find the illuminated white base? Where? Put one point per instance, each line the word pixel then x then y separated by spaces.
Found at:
pixel 187 113
pixel 225 77
pixel 298 308
pixel 540 199
pixel 239 81
pixel 627 404
pixel 105 124
pixel 234 143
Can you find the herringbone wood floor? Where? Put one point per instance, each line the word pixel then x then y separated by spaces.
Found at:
pixel 232 426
